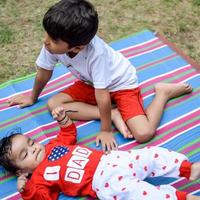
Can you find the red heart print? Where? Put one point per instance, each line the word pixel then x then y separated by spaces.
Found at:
pixel 123 188
pixel 152 173
pixel 144 193
pixel 176 161
pixel 131 165
pixel 115 197
pixel 106 185
pixel 156 155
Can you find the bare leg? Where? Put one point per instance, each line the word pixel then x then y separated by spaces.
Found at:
pixel 87 112
pixel 192 197
pixel 195 171
pixel 143 127
pixel 195 174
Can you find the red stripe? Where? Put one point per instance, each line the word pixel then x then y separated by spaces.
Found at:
pixel 139 46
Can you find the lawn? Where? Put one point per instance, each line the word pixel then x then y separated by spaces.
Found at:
pixel 21 32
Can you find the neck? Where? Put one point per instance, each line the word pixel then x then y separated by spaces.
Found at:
pixel 71 54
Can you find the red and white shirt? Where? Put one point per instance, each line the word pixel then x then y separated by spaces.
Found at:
pixel 67 168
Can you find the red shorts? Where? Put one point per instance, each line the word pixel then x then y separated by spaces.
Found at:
pixel 129 101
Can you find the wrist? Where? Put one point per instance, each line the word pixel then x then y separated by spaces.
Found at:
pixel 64 119
pixel 106 127
pixel 33 99
pixel 106 130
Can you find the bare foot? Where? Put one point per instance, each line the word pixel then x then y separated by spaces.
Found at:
pixel 172 90
pixel 195 171
pixel 120 124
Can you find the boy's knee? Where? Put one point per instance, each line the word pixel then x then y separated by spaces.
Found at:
pixel 143 136
pixel 54 102
pixel 58 100
pixel 51 103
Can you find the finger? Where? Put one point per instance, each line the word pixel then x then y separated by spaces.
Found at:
pixel 59 111
pixel 21 190
pixel 130 135
pixel 21 105
pixel 113 145
pixel 108 147
pixel 22 178
pixel 12 103
pixel 103 146
pixel 11 99
pixel 54 114
pixel 97 141
pixel 116 145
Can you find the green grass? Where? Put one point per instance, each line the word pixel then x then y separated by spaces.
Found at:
pixel 21 33
pixel 6 34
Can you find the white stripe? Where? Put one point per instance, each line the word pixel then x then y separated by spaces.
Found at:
pixel 145 52
pixel 195 191
pixel 31 88
pixel 138 45
pixel 9 196
pixel 59 88
pixel 164 74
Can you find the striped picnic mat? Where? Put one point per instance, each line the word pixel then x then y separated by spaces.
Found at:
pixel 156 60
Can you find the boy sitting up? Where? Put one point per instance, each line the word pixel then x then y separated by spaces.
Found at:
pixel 63 166
pixel 105 76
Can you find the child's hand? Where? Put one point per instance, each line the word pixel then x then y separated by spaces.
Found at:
pixel 21 183
pixel 61 116
pixel 20 100
pixel 107 141
pixel 58 113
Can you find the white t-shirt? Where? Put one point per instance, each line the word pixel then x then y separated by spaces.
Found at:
pixel 97 64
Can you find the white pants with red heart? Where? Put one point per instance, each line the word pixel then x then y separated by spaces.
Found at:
pixel 120 175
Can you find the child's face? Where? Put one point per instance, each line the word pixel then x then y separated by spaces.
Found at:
pixel 59 47
pixel 26 153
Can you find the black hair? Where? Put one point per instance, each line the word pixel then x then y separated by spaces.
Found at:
pixel 5 154
pixel 72 21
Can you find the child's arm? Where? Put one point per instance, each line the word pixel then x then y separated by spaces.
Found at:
pixel 29 190
pixel 105 136
pixel 67 134
pixel 21 183
pixel 41 79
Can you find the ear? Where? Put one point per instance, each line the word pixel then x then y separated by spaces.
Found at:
pixel 77 49
pixel 21 172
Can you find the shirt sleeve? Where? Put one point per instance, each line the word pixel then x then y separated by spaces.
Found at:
pixel 66 135
pixel 46 60
pixel 35 192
